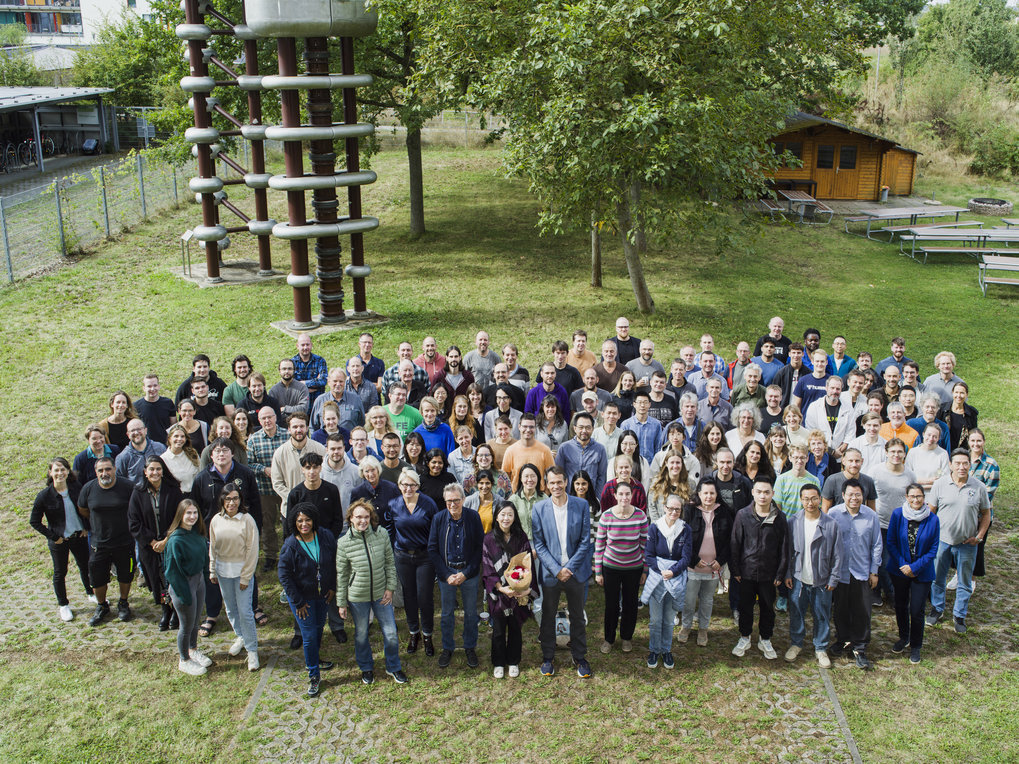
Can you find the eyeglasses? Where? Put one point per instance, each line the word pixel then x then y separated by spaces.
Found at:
pixel 454 502
pixel 232 500
pixel 407 485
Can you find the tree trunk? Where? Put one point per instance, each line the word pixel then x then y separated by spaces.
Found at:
pixel 417 191
pixel 631 250
pixel 595 252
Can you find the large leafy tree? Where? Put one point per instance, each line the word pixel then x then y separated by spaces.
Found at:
pixel 982 33
pixel 643 108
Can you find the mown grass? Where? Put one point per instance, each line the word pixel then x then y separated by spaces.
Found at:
pixel 71 337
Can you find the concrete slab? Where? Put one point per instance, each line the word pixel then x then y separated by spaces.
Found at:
pixel 233 273
pixel 359 321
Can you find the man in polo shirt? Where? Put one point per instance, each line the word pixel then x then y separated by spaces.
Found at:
pixel 103 502
pixel 131 461
pixel 374 368
pixel 964 512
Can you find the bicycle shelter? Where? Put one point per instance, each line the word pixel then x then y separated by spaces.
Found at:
pixel 63 115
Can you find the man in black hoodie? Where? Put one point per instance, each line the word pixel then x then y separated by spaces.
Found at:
pixel 200 369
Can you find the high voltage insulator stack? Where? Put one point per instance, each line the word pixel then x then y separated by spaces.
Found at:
pixel 314 21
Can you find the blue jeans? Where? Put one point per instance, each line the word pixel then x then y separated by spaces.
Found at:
pixel 964 557
pixel 662 612
pixel 469 594
pixel 311 632
pixel 384 614
pixel 802 599
pixel 238 610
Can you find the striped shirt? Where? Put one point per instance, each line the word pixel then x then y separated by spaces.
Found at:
pixel 620 543
pixel 787 491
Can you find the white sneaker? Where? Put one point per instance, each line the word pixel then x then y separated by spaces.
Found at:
pixel 253 664
pixel 953 583
pixel 190 667
pixel 237 646
pixel 499 672
pixel 792 652
pixel 675 620
pixel 66 614
pixel 741 647
pixel 514 671
pixel 200 658
pixel 92 598
pixel 764 645
pixel 822 659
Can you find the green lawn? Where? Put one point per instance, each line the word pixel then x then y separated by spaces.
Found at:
pixel 73 336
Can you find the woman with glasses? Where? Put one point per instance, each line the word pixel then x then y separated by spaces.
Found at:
pixel 667 556
pixel 412 515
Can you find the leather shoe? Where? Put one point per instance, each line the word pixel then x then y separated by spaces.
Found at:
pixel 296 641
pixel 412 643
pixel 164 621
pixel 341 635
pixel 429 645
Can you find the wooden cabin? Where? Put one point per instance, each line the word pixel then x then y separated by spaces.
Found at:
pixel 843 162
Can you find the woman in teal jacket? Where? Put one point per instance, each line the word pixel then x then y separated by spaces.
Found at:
pixel 185 558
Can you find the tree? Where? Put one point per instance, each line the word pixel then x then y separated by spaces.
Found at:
pixel 880 19
pixel 983 32
pixel 391 57
pixel 17 69
pixel 648 109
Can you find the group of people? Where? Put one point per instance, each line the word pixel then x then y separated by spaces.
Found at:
pixel 789 478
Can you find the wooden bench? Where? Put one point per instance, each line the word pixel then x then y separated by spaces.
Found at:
pixel 997 263
pixel 1009 222
pixel 894 229
pixel 818 207
pixel 976 252
pixel 769 206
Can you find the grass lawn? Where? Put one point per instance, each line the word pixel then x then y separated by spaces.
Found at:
pixel 112 694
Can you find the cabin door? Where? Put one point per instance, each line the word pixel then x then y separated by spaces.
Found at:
pixel 837 171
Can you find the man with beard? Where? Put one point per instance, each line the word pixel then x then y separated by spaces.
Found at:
pixel 237 389
pixel 309 368
pixel 286 461
pixel 481 362
pixel 291 394
pixel 131 461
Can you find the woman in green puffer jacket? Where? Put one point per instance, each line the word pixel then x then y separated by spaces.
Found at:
pixel 365 581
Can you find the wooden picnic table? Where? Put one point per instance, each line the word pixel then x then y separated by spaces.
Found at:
pixel 802 201
pixel 912 214
pixel 973 242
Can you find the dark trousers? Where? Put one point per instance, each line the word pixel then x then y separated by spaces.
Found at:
pixel 978 567
pixel 884 578
pixel 152 569
pixel 628 582
pixel 507 641
pixel 733 594
pixel 852 605
pixel 757 592
pixel 78 546
pixel 417 575
pixel 576 593
pixel 910 600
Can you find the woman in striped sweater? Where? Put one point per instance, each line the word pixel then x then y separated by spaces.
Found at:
pixel 619 564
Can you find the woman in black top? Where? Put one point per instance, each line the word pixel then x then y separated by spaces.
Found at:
pixel 959 416
pixel 63 528
pixel 435 476
pixel 149 513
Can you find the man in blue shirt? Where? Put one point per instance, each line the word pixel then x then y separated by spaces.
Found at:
pixel 811 387
pixel 860 535
pixel 582 453
pixel 309 368
pixel 351 407
pixel 649 430
pixel 896 359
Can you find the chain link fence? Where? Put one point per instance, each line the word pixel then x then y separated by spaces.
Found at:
pixel 41 227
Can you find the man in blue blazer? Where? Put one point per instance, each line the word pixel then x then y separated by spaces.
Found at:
pixel 561 528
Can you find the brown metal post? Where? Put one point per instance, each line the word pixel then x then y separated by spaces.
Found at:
pixel 293 160
pixel 258 157
pixel 324 202
pixel 353 165
pixel 206 164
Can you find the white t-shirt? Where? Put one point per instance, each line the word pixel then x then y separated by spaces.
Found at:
pixel 809 531
pixel 561 526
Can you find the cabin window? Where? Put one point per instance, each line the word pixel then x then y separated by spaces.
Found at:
pixel 795 148
pixel 847 157
pixel 825 157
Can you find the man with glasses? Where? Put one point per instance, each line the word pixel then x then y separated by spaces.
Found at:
pixel 583 453
pixel 503 407
pixel 454 547
pixel 103 502
pixel 131 461
pixel 261 447
pixel 815 564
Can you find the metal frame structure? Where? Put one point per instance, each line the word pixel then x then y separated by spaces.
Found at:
pixel 314 21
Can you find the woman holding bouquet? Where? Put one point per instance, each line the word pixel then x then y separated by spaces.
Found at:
pixel 506 573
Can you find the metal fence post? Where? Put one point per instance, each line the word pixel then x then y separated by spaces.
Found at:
pixel 7 241
pixel 60 219
pixel 176 197
pixel 106 205
pixel 141 186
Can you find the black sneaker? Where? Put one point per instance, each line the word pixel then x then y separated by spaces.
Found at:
pixel 341 635
pixel 472 657
pixel 876 600
pixel 836 650
pixel 123 610
pixel 914 655
pixel 398 676
pixel 652 660
pixel 899 647
pixel 296 641
pixel 313 687
pixel 269 565
pixel 102 610
pixel 668 661
pixel 325 665
pixel 933 617
pixel 444 658
pixel 960 625
pixel 547 668
pixel 583 668
pixel 367 677
pixel 862 661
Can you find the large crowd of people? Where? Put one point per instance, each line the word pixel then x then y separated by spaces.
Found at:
pixel 787 479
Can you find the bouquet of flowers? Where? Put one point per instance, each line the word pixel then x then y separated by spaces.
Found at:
pixel 517 576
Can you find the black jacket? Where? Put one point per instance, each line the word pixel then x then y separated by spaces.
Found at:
pixel 759 545
pixel 140 520
pixel 969 417
pixel 473 541
pixel 721 529
pixel 216 388
pixel 50 505
pixel 208 483
pixel 301 578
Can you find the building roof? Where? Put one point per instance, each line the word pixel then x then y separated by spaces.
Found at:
pixel 17 99
pixel 800 120
pixel 48 58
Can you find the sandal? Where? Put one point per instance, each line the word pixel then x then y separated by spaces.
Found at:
pixel 261 619
pixel 207 627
